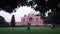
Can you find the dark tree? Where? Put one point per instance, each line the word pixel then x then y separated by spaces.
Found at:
pixel 2 21
pixel 13 21
pixel 10 5
pixel 51 18
pixel 44 6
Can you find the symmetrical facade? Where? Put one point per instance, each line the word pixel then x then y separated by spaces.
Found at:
pixel 31 18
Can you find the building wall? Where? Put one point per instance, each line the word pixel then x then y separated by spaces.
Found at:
pixel 36 20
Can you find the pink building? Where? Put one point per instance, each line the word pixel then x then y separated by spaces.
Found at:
pixel 31 18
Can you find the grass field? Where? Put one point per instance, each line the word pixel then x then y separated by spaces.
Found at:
pixel 34 30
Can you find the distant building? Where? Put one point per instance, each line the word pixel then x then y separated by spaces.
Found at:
pixel 31 18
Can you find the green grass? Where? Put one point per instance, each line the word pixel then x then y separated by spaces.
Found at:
pixel 34 30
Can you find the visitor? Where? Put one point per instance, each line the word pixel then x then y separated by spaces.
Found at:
pixel 53 26
pixel 28 26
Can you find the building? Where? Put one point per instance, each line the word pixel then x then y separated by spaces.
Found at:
pixel 30 18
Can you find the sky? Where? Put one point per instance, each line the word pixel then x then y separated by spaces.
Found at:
pixel 20 12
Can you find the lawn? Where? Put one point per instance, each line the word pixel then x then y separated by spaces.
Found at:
pixel 34 30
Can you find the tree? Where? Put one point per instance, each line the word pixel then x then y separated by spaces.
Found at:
pixel 2 21
pixel 44 6
pixel 13 21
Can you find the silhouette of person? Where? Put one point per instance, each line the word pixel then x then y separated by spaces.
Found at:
pixel 53 25
pixel 28 26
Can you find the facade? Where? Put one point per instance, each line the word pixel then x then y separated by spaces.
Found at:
pixel 31 18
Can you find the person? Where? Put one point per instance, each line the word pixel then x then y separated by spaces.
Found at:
pixel 28 26
pixel 53 25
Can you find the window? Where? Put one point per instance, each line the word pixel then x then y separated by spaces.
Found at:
pixel 23 19
pixel 24 15
pixel 30 19
pixel 36 18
